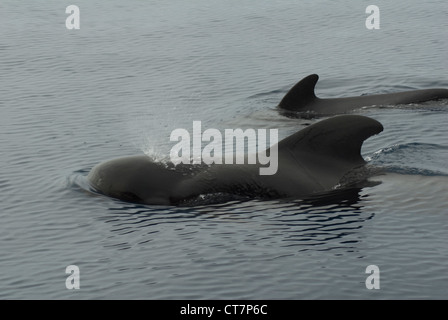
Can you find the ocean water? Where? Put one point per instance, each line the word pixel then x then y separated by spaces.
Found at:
pixel 137 70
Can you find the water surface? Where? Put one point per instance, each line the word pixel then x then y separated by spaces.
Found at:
pixel 135 71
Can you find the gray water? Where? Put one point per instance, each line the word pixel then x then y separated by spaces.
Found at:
pixel 137 70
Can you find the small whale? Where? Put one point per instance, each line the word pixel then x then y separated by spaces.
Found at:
pixel 302 98
pixel 311 161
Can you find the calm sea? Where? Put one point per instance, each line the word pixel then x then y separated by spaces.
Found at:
pixel 136 70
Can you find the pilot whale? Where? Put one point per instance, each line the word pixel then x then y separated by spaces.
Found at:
pixel 310 161
pixel 302 98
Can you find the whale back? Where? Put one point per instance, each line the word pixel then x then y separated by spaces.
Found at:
pixel 332 146
pixel 302 98
pixel 301 94
pixel 309 161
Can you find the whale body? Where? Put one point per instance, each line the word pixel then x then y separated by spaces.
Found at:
pixel 302 97
pixel 312 160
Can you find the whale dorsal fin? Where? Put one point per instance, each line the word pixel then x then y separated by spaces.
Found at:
pixel 336 140
pixel 301 94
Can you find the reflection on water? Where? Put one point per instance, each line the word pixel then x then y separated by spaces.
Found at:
pixel 320 222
